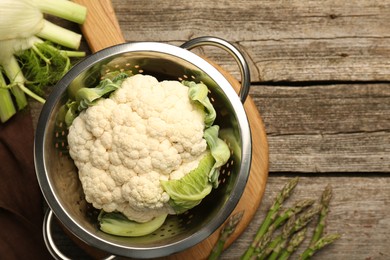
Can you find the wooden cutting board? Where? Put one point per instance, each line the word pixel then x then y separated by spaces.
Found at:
pixel 102 30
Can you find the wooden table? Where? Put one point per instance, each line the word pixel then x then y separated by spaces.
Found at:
pixel 321 81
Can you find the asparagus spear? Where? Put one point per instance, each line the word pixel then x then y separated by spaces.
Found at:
pixel 317 242
pixel 293 244
pixel 263 254
pixel 284 216
pixel 285 235
pixel 325 200
pixel 271 215
pixel 287 247
pixel 226 231
pixel 322 242
pixel 291 228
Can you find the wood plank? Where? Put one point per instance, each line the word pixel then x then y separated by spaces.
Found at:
pixel 283 40
pixel 358 211
pixel 334 59
pixel 356 152
pixel 335 128
pixel 329 109
pixel 100 12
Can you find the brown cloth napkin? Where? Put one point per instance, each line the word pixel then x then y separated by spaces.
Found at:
pixel 21 201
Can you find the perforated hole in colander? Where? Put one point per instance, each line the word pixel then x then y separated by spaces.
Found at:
pixel 61 140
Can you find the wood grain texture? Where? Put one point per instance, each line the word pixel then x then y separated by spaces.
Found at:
pixel 283 40
pixel 333 128
pixel 101 21
pixel 328 109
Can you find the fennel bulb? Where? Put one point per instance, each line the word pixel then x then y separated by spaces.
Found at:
pixel 27 43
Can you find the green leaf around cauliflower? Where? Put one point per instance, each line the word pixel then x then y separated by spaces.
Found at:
pixel 198 92
pixel 187 192
pixel 115 223
pixel 219 150
pixel 85 97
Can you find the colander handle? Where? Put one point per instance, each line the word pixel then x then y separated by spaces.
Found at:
pixel 218 42
pixel 49 241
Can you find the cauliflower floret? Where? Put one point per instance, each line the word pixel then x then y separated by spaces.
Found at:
pixel 147 131
pixel 81 140
pixel 145 191
pixel 97 118
pixel 98 183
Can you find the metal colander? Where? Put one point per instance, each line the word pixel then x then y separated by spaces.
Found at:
pixel 58 177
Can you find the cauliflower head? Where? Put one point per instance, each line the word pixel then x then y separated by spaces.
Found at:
pixel 124 146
